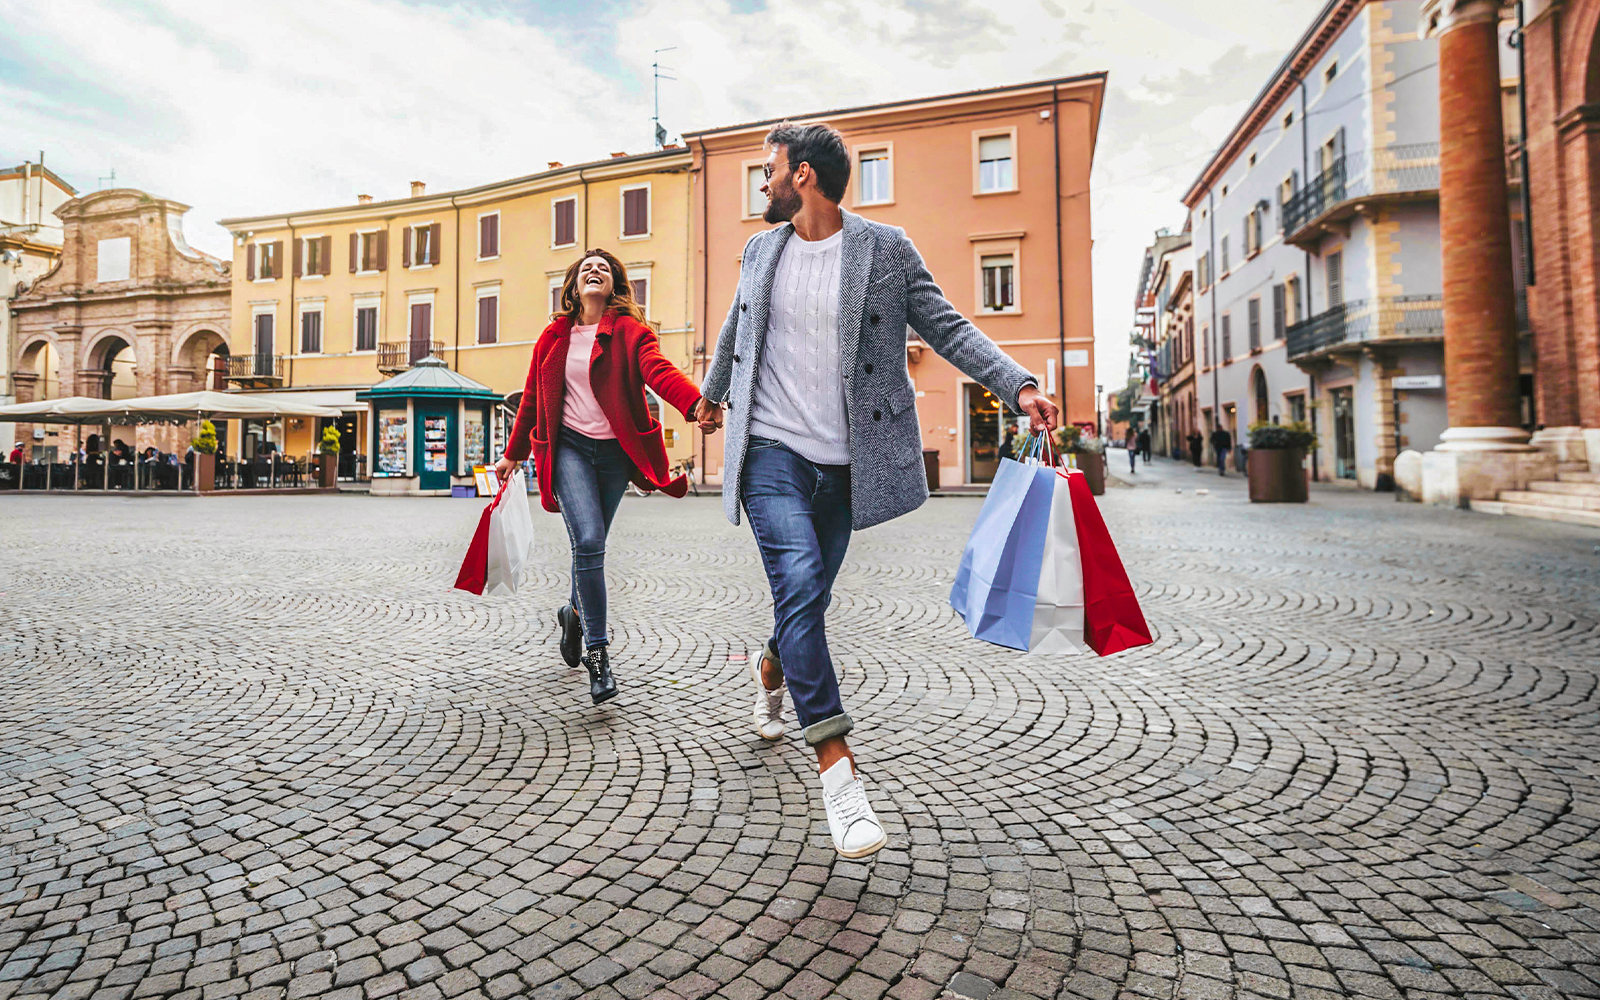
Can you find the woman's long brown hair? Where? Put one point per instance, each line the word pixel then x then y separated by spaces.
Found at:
pixel 621 301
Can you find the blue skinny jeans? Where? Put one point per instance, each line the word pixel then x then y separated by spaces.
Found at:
pixel 590 477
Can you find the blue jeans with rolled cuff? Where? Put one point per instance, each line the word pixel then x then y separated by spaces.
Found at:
pixel 800 514
pixel 591 475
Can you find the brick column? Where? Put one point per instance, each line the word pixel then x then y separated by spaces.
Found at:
pixel 1480 321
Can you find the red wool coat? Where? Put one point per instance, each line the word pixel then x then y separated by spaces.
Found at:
pixel 627 357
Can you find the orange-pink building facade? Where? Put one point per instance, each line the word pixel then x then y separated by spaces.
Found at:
pixel 993 187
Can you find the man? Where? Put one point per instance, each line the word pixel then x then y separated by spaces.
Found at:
pixel 823 435
pixel 16 453
pixel 1008 447
pixel 1144 444
pixel 1196 447
pixel 1221 443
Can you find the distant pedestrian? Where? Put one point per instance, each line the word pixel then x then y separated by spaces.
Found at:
pixel 16 453
pixel 1008 447
pixel 1144 444
pixel 1130 444
pixel 1197 447
pixel 1221 443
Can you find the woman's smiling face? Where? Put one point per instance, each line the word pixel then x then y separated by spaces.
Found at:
pixel 594 277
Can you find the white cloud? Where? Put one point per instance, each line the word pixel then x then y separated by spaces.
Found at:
pixel 305 103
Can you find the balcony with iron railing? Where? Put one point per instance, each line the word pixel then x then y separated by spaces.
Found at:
pixel 1392 172
pixel 254 371
pixel 1364 321
pixel 397 356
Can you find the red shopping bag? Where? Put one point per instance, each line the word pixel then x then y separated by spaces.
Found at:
pixel 475 567
pixel 1112 620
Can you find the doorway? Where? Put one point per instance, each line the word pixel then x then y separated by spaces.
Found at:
pixel 983 434
pixel 436 444
pixel 1344 434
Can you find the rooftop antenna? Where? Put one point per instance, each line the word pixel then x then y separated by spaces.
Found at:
pixel 102 180
pixel 660 134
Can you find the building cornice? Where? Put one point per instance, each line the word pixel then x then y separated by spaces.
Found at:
pixel 1334 17
pixel 663 161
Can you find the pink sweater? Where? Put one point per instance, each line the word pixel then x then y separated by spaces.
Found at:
pixel 581 411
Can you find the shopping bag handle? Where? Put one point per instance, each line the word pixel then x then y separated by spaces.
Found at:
pixel 502 490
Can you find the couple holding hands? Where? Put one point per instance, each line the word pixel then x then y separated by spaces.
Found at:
pixel 823 435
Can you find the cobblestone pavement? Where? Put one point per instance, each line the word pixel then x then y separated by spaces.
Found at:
pixel 257 747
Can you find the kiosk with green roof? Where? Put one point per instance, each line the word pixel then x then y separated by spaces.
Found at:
pixel 430 426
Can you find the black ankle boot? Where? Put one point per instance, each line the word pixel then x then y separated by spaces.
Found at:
pixel 602 686
pixel 571 635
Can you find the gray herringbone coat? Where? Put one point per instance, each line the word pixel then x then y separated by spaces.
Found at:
pixel 884 288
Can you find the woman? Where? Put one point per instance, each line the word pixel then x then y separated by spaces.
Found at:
pixel 585 421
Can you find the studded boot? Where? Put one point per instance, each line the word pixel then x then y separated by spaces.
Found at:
pixel 602 686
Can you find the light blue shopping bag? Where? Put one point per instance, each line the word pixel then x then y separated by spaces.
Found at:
pixel 997 583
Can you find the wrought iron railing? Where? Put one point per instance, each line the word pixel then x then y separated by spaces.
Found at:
pixel 398 355
pixel 1392 317
pixel 243 367
pixel 1401 169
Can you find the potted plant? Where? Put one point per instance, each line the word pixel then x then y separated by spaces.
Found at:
pixel 205 457
pixel 1276 462
pixel 328 470
pixel 1088 453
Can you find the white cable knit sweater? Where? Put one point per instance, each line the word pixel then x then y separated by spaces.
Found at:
pixel 800 391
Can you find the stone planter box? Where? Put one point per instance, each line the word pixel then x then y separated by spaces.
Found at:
pixel 1093 465
pixel 1277 475
pixel 205 471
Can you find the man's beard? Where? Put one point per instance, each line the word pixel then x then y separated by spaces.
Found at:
pixel 781 207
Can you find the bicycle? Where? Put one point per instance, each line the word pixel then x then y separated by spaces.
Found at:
pixel 685 468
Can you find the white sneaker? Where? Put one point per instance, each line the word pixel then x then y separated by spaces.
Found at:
pixel 854 826
pixel 769 704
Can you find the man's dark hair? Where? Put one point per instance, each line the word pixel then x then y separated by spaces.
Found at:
pixel 821 146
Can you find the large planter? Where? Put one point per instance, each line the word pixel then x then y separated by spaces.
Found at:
pixel 1277 475
pixel 1093 465
pixel 205 472
pixel 328 471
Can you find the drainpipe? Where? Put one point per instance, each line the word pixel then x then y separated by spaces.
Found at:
pixel 1305 174
pixel 1061 292
pixel 1522 115
pixel 455 352
pixel 1211 267
pixel 705 280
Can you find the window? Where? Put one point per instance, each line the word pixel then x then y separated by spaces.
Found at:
pixel 1286 190
pixel 1331 72
pixel 755 203
pixel 489 317
pixel 555 295
pixel 366 328
pixel 1203 270
pixel 564 222
pixel 636 212
pixel 1297 407
pixel 1335 267
pixel 311 256
pixel 311 331
pixel 998 273
pixel 1227 338
pixel 1224 255
pixel 263 333
pixel 264 261
pixel 1251 235
pixel 1288 119
pixel 421 332
pixel 1280 310
pixel 369 251
pixel 421 245
pixel 641 293
pixel 1252 159
pixel 875 185
pixel 1253 321
pixel 1205 346
pixel 996 165
pixel 1291 301
pixel 489 236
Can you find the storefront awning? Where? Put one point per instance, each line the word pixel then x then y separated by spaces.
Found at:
pixel 174 408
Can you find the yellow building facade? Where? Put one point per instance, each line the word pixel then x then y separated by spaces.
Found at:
pixel 332 301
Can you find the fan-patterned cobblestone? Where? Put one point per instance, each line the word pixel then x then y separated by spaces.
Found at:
pixel 257 747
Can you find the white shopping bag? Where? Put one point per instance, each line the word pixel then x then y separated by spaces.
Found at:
pixel 1058 608
pixel 510 536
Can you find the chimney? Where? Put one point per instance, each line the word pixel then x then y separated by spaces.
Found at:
pixel 618 156
pixel 417 188
pixel 363 199
pixel 554 165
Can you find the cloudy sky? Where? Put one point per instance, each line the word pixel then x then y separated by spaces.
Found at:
pixel 240 109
